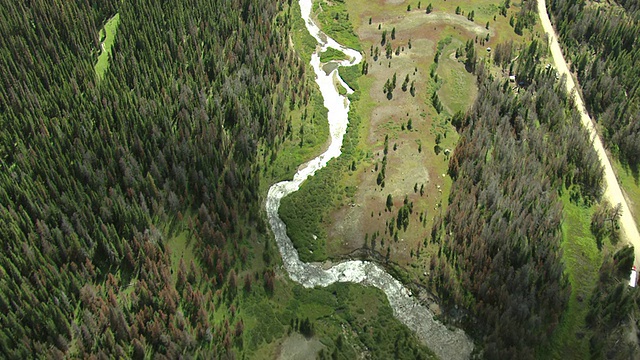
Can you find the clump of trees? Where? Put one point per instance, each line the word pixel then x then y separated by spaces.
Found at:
pixel 499 254
pixel 604 222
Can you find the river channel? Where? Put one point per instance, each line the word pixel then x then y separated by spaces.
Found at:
pixel 444 342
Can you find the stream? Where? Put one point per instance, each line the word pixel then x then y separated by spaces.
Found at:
pixel 444 342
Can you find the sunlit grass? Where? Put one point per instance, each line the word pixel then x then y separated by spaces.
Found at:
pixel 107 36
pixel 582 261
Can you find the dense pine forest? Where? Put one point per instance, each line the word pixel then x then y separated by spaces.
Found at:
pixel 97 175
pixel 499 261
pixel 131 219
pixel 603 43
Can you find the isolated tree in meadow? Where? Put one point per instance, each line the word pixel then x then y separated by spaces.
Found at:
pixel 393 33
pixel 389 202
pixel 429 8
pixel 458 10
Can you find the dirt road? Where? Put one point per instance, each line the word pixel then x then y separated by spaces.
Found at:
pixel 612 188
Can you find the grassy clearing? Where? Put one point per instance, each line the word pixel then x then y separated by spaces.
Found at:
pixel 457 90
pixel 582 259
pixel 181 247
pixel 107 37
pixel 312 217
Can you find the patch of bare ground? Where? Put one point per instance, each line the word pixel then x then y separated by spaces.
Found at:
pixel 297 347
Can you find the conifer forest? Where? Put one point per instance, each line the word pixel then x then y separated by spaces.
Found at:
pixel 140 141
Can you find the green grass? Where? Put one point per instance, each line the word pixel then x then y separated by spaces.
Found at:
pixel 303 43
pixel 107 36
pixel 631 186
pixel 332 54
pixel 334 21
pixel 458 88
pixel 181 247
pixel 582 259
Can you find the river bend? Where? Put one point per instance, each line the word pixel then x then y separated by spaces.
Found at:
pixel 445 343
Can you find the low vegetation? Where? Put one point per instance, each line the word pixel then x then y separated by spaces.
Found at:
pixel 107 36
pixel 332 54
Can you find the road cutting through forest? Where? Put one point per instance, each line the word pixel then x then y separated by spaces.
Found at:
pixel 612 192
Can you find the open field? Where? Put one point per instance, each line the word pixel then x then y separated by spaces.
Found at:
pixel 107 37
pixel 414 167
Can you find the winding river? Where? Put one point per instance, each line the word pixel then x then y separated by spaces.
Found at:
pixel 445 343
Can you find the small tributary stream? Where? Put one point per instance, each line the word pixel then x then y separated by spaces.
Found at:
pixel 446 343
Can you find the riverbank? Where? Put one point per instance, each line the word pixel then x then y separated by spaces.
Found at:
pixel 445 343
